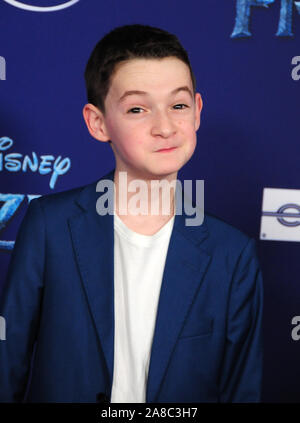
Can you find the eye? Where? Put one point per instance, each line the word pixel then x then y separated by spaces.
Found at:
pixel 180 106
pixel 135 110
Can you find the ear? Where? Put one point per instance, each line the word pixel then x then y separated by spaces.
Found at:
pixel 95 122
pixel 198 109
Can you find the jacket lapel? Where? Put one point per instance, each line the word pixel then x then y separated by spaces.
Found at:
pixel 185 267
pixel 93 241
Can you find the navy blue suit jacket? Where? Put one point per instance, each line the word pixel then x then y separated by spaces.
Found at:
pixel 58 302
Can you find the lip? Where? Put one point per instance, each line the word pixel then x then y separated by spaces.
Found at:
pixel 165 150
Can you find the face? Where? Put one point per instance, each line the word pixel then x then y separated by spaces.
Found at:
pixel 151 117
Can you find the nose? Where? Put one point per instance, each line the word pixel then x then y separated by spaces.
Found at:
pixel 163 125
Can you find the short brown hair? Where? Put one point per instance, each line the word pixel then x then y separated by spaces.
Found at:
pixel 125 43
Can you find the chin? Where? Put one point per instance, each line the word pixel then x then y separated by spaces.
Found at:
pixel 165 171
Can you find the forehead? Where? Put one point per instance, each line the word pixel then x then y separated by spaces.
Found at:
pixel 161 75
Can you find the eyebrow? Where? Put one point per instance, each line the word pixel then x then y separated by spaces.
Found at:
pixel 138 92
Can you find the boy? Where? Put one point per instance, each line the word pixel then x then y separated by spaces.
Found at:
pixel 126 307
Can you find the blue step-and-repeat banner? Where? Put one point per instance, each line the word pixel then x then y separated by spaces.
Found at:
pixel 246 58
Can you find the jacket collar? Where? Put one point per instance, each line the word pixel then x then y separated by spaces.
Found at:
pixel 88 197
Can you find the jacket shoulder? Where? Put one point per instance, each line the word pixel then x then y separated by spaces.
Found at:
pixel 224 234
pixel 62 202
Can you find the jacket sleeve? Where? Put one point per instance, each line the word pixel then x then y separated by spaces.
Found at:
pixel 241 372
pixel 20 303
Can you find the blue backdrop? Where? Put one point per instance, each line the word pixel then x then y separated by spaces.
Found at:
pixel 248 137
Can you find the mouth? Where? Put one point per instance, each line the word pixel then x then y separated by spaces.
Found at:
pixel 166 150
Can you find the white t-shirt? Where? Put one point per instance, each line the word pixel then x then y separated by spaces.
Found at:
pixel 139 262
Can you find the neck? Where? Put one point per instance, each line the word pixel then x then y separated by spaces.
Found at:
pixel 144 198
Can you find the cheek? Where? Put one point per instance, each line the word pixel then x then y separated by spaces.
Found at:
pixel 192 145
pixel 133 139
pixel 189 132
pixel 127 134
pixel 191 141
pixel 187 125
pixel 129 144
